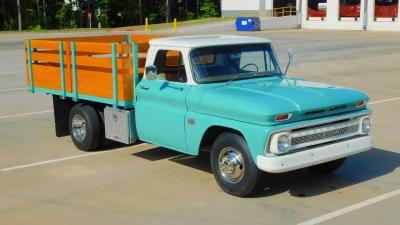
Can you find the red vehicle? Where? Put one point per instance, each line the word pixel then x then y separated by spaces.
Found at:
pixel 386 8
pixel 349 8
pixel 314 9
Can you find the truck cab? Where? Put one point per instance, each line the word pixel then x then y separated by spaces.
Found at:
pixel 227 95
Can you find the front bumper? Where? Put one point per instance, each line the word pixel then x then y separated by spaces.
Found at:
pixel 314 156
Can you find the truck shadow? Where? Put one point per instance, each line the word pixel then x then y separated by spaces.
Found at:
pixel 301 183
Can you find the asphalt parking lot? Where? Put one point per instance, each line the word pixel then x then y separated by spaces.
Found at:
pixel 46 180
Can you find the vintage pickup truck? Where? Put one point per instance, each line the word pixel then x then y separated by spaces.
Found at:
pixel 225 94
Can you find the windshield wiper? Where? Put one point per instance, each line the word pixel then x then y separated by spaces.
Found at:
pixel 258 74
pixel 265 74
pixel 232 79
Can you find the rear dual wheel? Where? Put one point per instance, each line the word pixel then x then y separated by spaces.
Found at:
pixel 86 127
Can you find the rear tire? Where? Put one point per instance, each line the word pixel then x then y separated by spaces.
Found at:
pixel 85 127
pixel 233 166
pixel 328 167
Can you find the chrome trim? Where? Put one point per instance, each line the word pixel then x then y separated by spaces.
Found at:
pixel 231 165
pixel 352 117
pixel 352 126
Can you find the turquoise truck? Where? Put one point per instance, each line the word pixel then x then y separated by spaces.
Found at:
pixel 224 94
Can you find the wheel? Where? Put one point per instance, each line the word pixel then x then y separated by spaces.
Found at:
pixel 328 167
pixel 85 127
pixel 232 165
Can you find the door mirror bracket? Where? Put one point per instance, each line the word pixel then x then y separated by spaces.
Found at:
pixel 290 55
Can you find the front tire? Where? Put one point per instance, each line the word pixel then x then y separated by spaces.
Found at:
pixel 232 165
pixel 328 167
pixel 85 127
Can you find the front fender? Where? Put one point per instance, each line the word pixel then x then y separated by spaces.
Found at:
pixel 255 135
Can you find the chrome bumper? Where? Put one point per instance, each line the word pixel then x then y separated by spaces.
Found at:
pixel 314 156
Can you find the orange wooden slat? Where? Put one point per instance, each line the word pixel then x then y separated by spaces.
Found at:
pixel 47 57
pixel 93 61
pixel 143 38
pixel 102 48
pixel 44 44
pixel 103 62
pixel 99 39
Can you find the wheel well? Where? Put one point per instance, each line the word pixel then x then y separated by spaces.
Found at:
pixel 62 108
pixel 212 133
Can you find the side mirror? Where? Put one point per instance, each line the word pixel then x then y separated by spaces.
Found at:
pixel 290 55
pixel 151 71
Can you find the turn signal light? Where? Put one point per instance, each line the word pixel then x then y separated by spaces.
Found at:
pixel 361 103
pixel 282 117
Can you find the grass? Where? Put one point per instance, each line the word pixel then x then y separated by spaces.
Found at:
pixel 152 27
pixel 165 26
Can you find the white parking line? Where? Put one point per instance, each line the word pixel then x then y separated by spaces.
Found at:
pixel 61 159
pixel 351 208
pixel 385 100
pixel 13 72
pixel 24 114
pixel 12 89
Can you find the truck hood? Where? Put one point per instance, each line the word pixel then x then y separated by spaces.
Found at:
pixel 259 101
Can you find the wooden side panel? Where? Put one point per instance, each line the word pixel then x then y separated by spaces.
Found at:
pixel 46 76
pixel 46 65
pixel 98 82
pixel 94 64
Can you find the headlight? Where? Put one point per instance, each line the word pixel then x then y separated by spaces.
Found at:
pixel 283 143
pixel 366 125
pixel 280 143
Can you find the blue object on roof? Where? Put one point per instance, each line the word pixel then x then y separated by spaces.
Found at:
pixel 248 24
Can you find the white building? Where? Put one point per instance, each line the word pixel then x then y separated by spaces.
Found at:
pixel 327 14
pixel 350 14
pixel 246 7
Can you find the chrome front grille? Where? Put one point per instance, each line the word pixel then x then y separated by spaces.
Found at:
pixel 325 133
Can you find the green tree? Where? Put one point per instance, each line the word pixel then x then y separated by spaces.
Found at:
pixel 58 14
pixel 208 9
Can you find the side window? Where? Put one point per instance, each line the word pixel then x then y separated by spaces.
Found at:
pixel 170 66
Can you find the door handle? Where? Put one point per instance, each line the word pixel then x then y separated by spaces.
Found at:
pixel 144 87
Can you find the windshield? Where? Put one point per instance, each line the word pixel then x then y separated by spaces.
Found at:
pixel 227 63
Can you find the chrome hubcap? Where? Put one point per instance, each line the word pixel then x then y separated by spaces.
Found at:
pixel 231 165
pixel 79 127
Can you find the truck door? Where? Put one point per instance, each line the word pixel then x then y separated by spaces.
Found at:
pixel 160 104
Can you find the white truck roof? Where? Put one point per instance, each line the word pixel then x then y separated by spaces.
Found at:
pixel 207 40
